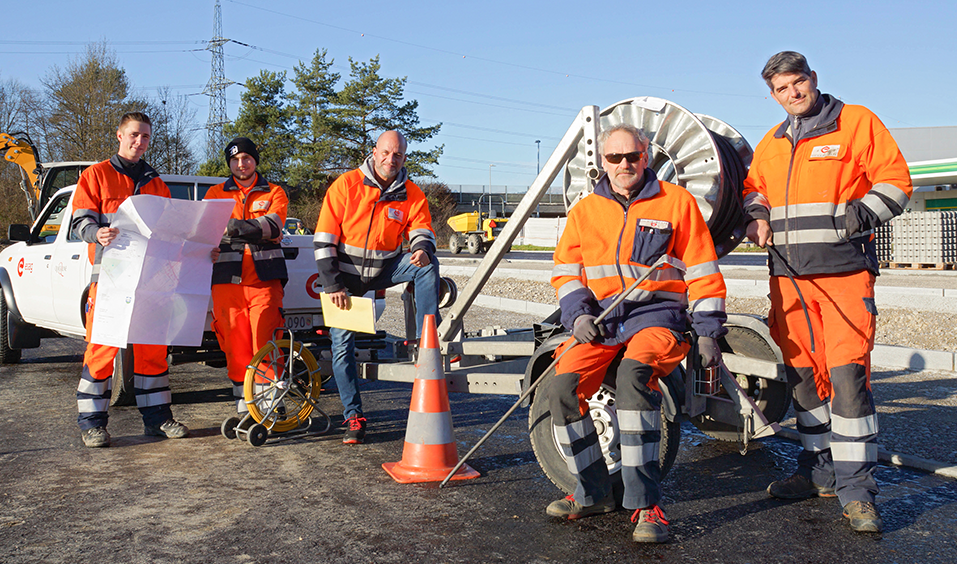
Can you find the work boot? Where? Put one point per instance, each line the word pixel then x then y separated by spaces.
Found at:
pixel 171 429
pixel 863 517
pixel 355 430
pixel 798 487
pixel 96 437
pixel 571 509
pixel 652 525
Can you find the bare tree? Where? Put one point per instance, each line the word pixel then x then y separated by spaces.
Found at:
pixel 15 99
pixel 174 129
pixel 85 101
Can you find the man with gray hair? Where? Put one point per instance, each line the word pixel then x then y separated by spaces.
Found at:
pixel 820 183
pixel 613 237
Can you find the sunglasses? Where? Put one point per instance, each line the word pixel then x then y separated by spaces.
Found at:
pixel 615 158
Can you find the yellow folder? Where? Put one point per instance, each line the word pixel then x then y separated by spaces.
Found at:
pixel 360 316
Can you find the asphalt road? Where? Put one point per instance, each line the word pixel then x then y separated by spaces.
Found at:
pixel 313 499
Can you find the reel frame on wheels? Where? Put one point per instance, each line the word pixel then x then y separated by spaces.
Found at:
pixel 282 383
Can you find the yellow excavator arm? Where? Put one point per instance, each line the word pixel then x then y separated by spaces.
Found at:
pixel 22 153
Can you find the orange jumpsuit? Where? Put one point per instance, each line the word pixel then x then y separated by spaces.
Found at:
pixel 249 275
pixel 99 193
pixel 824 182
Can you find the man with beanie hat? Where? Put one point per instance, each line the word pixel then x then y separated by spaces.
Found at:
pixel 366 215
pixel 249 269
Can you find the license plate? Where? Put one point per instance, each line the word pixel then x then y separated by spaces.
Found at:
pixel 296 322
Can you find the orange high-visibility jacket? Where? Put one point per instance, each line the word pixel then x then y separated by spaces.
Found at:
pixel 250 251
pixel 362 226
pixel 606 247
pixel 99 193
pixel 826 192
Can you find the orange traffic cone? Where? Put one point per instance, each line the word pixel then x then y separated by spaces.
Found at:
pixel 429 453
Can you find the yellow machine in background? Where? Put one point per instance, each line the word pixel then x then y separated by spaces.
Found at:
pixel 471 235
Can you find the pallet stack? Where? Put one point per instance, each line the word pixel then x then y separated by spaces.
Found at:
pixel 926 238
pixel 884 239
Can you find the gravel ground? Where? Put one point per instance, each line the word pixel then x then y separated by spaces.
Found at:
pixel 895 326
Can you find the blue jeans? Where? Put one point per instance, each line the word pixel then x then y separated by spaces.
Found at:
pixel 344 367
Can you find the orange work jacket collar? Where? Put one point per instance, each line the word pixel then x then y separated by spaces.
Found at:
pixel 822 119
pixel 231 185
pixel 650 189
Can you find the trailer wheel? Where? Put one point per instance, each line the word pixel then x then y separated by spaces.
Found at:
pixel 604 413
pixel 772 397
pixel 455 244
pixel 7 355
pixel 474 244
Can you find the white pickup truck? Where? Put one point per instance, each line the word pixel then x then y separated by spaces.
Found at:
pixel 44 279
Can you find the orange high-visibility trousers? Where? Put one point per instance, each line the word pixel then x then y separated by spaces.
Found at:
pixel 245 318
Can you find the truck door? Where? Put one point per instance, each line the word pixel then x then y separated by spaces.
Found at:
pixel 34 269
pixel 70 275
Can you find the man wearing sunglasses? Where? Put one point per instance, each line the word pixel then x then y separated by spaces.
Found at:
pixel 819 184
pixel 612 238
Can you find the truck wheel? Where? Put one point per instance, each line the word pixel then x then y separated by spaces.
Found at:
pixel 772 397
pixel 7 355
pixel 604 413
pixel 123 378
pixel 474 244
pixel 455 244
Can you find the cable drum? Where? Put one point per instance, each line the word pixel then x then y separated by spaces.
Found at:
pixel 704 155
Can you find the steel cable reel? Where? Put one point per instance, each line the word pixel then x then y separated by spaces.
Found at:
pixel 702 154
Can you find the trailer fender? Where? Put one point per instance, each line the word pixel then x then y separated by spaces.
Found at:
pixel 758 324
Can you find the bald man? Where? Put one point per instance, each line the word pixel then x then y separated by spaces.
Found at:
pixel 365 217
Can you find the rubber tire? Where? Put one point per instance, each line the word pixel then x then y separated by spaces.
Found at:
pixel 257 434
pixel 228 428
pixel 552 461
pixel 7 355
pixel 474 243
pixel 772 397
pixel 455 244
pixel 123 394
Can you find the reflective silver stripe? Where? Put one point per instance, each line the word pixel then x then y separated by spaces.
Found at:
pixel 428 365
pixel 601 271
pixel 238 391
pixel 150 382
pixel 349 268
pixel 877 205
pixel 660 275
pixel 359 253
pixel 854 452
pixel 702 270
pixel 648 420
pixel 230 257
pixel 97 405
pixel 854 427
pixel 816 443
pixel 97 388
pixel 892 192
pixel 567 434
pixel 820 415
pixel 271 225
pixel 154 399
pixel 638 456
pixel 584 459
pixel 571 269
pixel 823 209
pixel 326 238
pixel 806 236
pixel 236 280
pixel 569 287
pixel 642 296
pixel 707 304
pixel 107 217
pixel 268 254
pixel 756 199
pixel 325 252
pixel 417 236
pixel 429 428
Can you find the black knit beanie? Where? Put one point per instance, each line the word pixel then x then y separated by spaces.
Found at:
pixel 241 145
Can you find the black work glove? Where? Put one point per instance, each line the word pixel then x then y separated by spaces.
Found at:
pixel 709 351
pixel 585 330
pixel 243 229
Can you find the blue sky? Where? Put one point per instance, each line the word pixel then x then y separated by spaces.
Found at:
pixel 502 74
